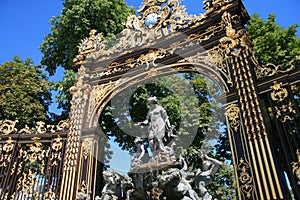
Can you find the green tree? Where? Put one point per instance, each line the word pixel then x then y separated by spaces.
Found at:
pixel 189 101
pixel 273 43
pixel 24 92
pixel 77 18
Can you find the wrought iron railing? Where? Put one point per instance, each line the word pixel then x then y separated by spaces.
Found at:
pixel 31 160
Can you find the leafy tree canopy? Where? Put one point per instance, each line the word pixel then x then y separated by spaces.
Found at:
pixel 190 101
pixel 77 18
pixel 24 92
pixel 273 43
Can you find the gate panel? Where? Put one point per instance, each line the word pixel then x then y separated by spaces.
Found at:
pixel 31 160
pixel 282 111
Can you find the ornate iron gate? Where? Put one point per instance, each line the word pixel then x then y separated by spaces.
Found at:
pixel 31 160
pixel 262 115
pixel 262 102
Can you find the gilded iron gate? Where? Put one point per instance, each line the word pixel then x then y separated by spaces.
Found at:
pixel 261 102
pixel 279 90
pixel 262 115
pixel 31 160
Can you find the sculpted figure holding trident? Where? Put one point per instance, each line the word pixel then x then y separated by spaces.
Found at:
pixel 159 125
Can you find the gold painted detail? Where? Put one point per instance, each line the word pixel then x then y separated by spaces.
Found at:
pixel 56 155
pixel 284 110
pixel 278 93
pixel 87 147
pixel 8 127
pixel 151 56
pixel 245 178
pixel 98 94
pixel 233 115
pixel 50 194
pixel 216 5
pixel 219 58
pixel 147 58
pixel 234 41
pixel 6 154
pixel 270 69
pixel 155 19
pixel 296 166
pixel 83 187
pixel 80 97
pixel 34 155
pixel 88 45
pixel 80 91
pixel 30 166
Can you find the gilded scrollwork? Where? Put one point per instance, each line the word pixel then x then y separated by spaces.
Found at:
pixel 284 109
pixel 270 69
pixel 80 91
pixel 215 5
pixel 151 56
pixel 56 155
pixel 50 194
pixel 87 145
pixel 218 57
pixel 98 94
pixel 278 93
pixel 245 178
pixel 6 154
pixel 88 45
pixel 155 19
pixel 147 58
pixel 7 127
pixel 296 166
pixel 233 115
pixel 235 40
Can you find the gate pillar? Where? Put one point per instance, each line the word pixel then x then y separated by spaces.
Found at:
pixel 80 94
pixel 254 164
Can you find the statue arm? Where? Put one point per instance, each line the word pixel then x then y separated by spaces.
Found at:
pixel 122 176
pixel 145 122
pixel 165 117
pixel 216 164
pixel 142 152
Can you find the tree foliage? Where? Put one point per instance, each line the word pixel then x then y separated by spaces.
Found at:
pixel 189 101
pixel 25 92
pixel 77 18
pixel 273 43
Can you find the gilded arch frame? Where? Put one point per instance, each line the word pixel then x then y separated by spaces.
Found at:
pixel 220 31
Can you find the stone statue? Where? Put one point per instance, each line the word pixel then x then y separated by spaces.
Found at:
pixel 165 176
pixel 140 151
pixel 140 156
pixel 159 126
pixel 82 196
pixel 176 187
pixel 116 185
pixel 203 177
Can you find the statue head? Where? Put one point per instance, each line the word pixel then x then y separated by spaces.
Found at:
pixel 206 164
pixel 108 176
pixel 152 100
pixel 138 140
